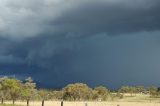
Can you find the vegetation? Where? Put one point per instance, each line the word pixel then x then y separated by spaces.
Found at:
pixel 14 89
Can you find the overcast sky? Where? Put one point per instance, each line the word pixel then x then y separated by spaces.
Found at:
pixel 98 42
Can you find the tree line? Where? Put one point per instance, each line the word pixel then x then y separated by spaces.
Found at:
pixel 14 89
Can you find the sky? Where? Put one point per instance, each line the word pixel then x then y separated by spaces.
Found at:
pixel 97 42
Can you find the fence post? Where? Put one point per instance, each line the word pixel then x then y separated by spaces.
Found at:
pixel 2 101
pixel 61 103
pixel 13 101
pixel 27 102
pixel 86 104
pixel 42 102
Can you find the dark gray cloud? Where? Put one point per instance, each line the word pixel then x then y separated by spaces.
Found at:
pixel 111 18
pixel 67 40
pixel 111 61
pixel 77 18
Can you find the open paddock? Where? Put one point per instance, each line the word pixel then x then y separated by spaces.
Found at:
pixel 58 103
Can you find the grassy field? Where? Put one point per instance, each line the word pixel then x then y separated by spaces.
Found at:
pixel 114 103
pixel 139 98
pixel 135 100
pixel 8 105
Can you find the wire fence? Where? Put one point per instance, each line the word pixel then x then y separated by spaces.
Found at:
pixel 65 103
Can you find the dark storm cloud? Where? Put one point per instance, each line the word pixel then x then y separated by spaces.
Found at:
pixel 43 58
pixel 77 18
pixel 115 17
pixel 36 55
pixel 55 38
pixel 93 60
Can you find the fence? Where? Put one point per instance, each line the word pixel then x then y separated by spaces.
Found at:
pixel 54 103
pixel 80 103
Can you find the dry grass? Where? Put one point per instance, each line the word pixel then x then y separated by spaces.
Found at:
pixel 136 100
pixel 57 103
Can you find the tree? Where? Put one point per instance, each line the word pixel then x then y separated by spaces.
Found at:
pixel 2 92
pixel 77 91
pixel 158 89
pixel 153 91
pixel 57 95
pixel 44 94
pixel 127 89
pixel 95 95
pixel 28 89
pixel 103 92
pixel 13 87
pixel 132 90
pixel 124 89
pixel 140 89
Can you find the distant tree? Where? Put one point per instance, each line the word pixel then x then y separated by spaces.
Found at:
pixel 103 92
pixel 124 89
pixel 28 89
pixel 2 91
pixel 153 91
pixel 44 94
pixel 127 89
pixel 95 95
pixel 132 90
pixel 77 91
pixel 158 89
pixel 140 89
pixel 57 95
pixel 13 87
pixel 119 94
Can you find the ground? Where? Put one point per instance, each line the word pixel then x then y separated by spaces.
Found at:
pixel 134 100
pixel 57 103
